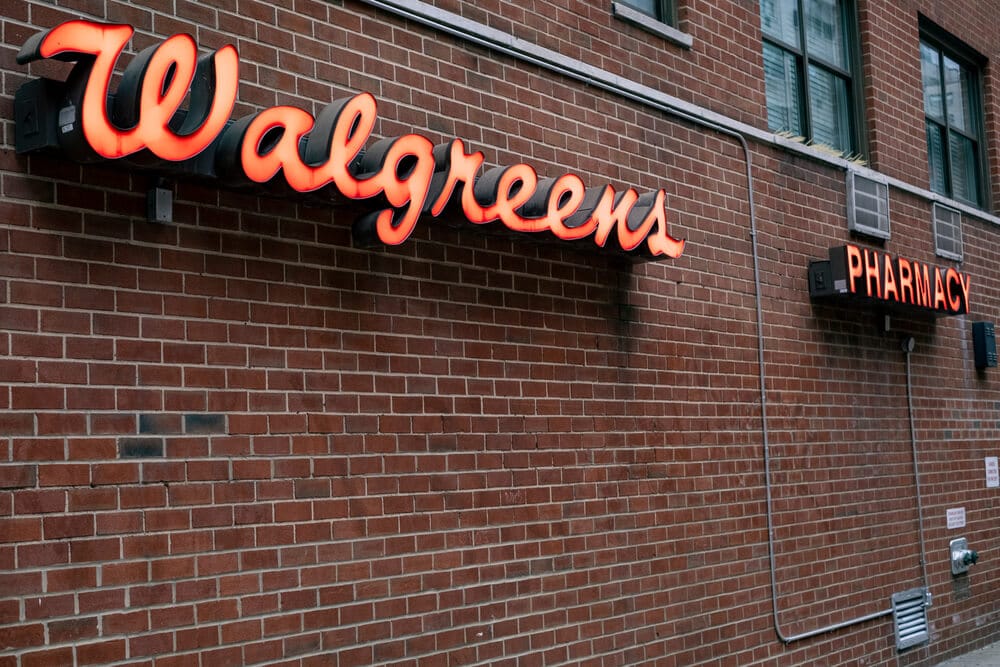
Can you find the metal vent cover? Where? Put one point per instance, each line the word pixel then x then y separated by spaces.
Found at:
pixel 909 615
pixel 948 232
pixel 867 205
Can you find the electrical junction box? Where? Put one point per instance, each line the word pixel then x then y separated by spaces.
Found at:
pixel 961 556
pixel 984 344
pixel 821 279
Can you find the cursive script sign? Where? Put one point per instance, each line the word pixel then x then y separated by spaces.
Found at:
pixel 407 176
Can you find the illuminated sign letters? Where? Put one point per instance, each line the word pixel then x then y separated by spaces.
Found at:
pixel 878 276
pixel 407 176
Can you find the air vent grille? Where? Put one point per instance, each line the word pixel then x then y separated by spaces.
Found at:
pixel 867 205
pixel 947 232
pixel 909 613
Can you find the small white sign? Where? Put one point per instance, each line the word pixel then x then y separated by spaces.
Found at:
pixel 992 473
pixel 956 517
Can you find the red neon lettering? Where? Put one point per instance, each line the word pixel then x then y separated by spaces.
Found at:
pixel 872 274
pixel 921 285
pixel 160 78
pixel 411 175
pixel 565 198
pixel 462 167
pixel 940 303
pixel 855 267
pixel 352 122
pixel 889 280
pixel 261 163
pixel 966 281
pixel 953 280
pixel 905 271
pixel 514 187
pixel 631 235
pixel 877 275
pixel 408 188
pixel 612 210
pixel 660 241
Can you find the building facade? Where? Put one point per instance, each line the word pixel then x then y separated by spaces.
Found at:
pixel 424 332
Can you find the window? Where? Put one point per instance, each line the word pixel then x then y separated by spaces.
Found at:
pixel 808 70
pixel 658 17
pixel 661 10
pixel 953 113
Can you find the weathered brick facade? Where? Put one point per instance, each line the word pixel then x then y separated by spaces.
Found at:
pixel 238 439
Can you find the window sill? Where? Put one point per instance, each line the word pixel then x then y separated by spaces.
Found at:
pixel 649 24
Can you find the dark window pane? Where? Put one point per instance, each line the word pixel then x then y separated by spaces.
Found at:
pixel 649 7
pixel 935 152
pixel 782 84
pixel 825 37
pixel 830 113
pixel 930 66
pixel 958 92
pixel 964 183
pixel 780 20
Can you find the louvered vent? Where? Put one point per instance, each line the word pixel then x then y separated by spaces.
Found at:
pixel 867 205
pixel 909 612
pixel 947 232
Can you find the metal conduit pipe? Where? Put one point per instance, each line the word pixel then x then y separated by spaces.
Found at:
pixel 907 345
pixel 447 22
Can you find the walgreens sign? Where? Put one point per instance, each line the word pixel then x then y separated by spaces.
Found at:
pixel 405 177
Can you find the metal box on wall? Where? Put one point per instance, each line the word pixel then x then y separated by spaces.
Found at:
pixel 984 344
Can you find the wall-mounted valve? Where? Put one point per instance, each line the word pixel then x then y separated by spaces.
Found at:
pixel 962 556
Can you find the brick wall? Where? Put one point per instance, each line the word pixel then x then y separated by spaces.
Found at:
pixel 236 439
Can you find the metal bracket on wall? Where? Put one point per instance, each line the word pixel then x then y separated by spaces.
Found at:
pixel 961 556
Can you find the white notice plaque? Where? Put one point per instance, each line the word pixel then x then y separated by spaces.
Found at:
pixel 992 473
pixel 956 517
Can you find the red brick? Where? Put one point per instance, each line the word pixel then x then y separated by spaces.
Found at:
pixel 73 630
pixel 103 600
pixel 113 574
pixel 18 370
pixel 22 636
pixel 115 473
pixel 50 449
pixel 63 474
pixel 38 398
pixel 71 579
pixel 126 623
pixel 56 656
pixel 62 424
pixel 101 652
pixel 18 476
pixel 151 644
pixel 39 502
pixel 92 499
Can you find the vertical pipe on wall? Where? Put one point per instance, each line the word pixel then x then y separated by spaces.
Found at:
pixel 908 350
pixel 462 28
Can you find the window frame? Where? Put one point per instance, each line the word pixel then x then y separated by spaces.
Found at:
pixel 628 13
pixel 664 11
pixel 852 74
pixel 948 46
